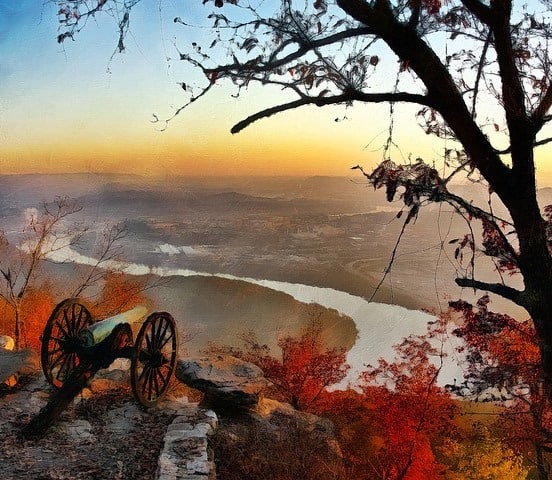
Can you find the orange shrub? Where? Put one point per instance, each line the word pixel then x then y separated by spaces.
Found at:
pixel 36 308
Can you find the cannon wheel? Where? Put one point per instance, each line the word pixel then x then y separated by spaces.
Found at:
pixel 154 360
pixel 60 340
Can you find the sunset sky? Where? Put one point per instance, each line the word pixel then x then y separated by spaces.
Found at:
pixel 75 108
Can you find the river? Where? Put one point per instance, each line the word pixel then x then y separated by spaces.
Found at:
pixel 380 326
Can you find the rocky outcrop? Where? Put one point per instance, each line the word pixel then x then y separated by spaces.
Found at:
pixel 185 447
pixel 273 412
pixel 227 382
pixel 269 410
pixel 234 390
pixel 14 364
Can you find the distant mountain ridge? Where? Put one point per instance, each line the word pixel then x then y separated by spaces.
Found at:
pixel 75 184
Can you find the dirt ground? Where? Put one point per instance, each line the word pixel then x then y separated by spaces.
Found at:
pixel 106 436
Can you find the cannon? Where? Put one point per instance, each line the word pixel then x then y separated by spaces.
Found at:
pixel 74 347
pixel 72 338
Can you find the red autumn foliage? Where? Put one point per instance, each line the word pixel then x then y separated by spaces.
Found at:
pixel 120 292
pixel 433 6
pixel 504 364
pixel 304 368
pixel 35 310
pixel 391 426
pixel 413 414
pixel 36 306
pixel 502 352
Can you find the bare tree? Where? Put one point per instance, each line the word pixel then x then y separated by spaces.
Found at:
pixel 48 234
pixel 106 255
pixel 44 233
pixel 454 59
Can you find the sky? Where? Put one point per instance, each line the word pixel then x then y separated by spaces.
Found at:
pixel 76 107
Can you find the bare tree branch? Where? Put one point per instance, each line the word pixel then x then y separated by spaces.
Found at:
pixel 505 291
pixel 305 47
pixel 513 94
pixel 441 88
pixel 113 235
pixel 538 143
pixel 321 101
pixel 391 259
pixel 480 72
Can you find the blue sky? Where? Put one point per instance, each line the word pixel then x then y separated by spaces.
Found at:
pixel 77 107
pixel 74 107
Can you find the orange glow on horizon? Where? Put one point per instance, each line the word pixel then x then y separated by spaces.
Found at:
pixel 290 144
pixel 202 158
pixel 242 154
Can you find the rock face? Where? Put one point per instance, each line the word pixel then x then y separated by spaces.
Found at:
pixel 227 382
pixel 233 389
pixel 271 411
pixel 277 441
pixel 13 364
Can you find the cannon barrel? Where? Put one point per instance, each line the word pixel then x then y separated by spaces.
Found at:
pixel 98 331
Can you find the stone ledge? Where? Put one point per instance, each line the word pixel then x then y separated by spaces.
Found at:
pixel 16 363
pixel 227 382
pixel 186 454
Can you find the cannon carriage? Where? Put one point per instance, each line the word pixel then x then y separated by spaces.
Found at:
pixel 75 345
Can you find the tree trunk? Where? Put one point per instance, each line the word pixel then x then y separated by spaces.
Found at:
pixel 535 262
pixel 541 315
pixel 541 463
pixel 17 330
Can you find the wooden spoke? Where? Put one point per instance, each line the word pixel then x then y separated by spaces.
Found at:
pixel 154 360
pixel 60 340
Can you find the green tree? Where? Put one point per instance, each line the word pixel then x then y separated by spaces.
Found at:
pixel 325 52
